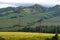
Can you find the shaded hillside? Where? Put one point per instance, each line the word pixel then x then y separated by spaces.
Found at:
pixel 19 17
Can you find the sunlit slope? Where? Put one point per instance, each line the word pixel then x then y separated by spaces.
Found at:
pixel 23 18
pixel 25 35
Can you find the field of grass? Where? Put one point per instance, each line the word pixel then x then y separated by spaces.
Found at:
pixel 28 17
pixel 25 36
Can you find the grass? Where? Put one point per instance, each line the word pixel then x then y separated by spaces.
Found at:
pixel 25 35
pixel 28 17
pixel 6 21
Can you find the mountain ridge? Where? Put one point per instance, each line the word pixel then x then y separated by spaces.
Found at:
pixel 16 17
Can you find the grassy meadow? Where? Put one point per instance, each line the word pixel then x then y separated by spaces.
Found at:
pixel 25 36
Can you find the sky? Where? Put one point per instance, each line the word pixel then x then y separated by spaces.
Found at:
pixel 14 3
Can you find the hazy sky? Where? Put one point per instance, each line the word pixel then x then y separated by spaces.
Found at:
pixel 6 3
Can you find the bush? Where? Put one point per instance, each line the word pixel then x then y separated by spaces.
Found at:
pixel 1 38
pixel 47 39
pixel 55 37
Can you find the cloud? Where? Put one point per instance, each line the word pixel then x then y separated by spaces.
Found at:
pixel 31 1
pixel 6 3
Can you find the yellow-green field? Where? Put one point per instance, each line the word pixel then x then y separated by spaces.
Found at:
pixel 25 36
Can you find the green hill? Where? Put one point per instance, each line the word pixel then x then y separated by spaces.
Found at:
pixel 19 17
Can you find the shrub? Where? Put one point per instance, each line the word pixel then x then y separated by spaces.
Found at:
pixel 1 38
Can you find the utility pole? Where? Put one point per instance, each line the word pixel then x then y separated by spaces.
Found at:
pixel 18 15
pixel 56 30
pixel 40 21
pixel 40 27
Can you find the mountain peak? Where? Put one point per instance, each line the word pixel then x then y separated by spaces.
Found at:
pixel 57 6
pixel 37 5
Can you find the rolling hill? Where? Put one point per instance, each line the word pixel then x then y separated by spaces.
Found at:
pixel 16 18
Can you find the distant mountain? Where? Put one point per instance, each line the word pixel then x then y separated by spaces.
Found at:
pixel 55 8
pixel 30 15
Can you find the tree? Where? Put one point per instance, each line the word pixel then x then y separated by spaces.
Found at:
pixel 55 37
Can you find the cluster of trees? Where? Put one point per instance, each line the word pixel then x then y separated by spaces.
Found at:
pixel 43 29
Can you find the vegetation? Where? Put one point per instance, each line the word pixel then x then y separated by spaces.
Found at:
pixel 26 36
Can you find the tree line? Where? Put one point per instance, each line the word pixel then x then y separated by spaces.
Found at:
pixel 43 29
